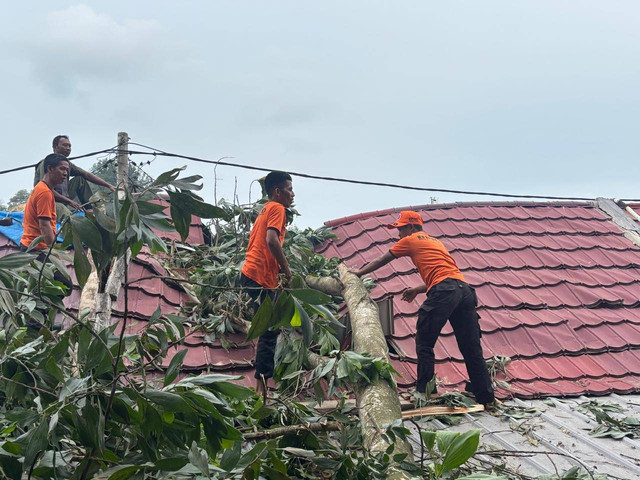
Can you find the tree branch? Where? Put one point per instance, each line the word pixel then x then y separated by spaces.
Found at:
pixel 281 431
pixel 328 285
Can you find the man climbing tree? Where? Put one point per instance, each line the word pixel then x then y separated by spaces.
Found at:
pixel 264 260
pixel 449 297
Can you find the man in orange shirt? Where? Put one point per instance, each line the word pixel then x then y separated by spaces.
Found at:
pixel 40 212
pixel 264 261
pixel 449 297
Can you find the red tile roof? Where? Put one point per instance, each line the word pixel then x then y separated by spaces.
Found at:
pixel 558 288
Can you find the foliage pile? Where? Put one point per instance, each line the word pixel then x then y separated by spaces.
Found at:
pixel 610 421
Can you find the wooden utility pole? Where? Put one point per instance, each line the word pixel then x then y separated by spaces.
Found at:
pixel 105 299
pixel 123 160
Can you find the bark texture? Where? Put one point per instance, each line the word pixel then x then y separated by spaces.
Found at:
pixel 378 403
pixel 328 285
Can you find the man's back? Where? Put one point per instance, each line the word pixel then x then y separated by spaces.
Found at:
pixel 430 256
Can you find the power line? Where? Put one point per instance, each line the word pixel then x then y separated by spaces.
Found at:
pixel 157 153
pixel 33 165
pixel 360 182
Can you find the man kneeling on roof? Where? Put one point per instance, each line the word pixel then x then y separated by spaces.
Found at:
pixel 264 260
pixel 449 297
pixel 40 212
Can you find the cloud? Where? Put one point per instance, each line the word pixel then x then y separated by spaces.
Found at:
pixel 78 47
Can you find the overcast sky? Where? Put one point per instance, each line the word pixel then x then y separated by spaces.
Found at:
pixel 533 97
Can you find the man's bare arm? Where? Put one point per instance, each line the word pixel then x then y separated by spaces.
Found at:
pixel 67 201
pixel 410 293
pixel 381 261
pixel 273 242
pixel 90 177
pixel 47 231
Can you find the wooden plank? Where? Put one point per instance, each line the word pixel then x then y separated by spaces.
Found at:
pixel 441 410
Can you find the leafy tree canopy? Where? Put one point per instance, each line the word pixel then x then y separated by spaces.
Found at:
pixel 106 169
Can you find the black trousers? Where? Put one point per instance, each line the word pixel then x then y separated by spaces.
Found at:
pixel 452 300
pixel 265 353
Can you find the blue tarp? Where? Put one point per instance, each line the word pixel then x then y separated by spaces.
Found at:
pixel 14 231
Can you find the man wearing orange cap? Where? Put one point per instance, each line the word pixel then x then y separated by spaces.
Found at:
pixel 449 297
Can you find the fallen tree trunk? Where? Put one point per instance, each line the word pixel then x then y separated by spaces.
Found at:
pixel 328 285
pixel 378 402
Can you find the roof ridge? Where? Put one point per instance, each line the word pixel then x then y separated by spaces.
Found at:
pixel 435 206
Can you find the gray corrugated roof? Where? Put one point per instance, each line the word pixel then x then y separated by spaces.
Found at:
pixel 558 431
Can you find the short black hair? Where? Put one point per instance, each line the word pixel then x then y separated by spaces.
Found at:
pixel 275 180
pixel 57 139
pixel 415 228
pixel 53 160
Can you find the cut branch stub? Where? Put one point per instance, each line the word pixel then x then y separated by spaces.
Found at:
pixel 328 285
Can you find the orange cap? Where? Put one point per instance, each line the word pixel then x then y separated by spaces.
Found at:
pixel 407 217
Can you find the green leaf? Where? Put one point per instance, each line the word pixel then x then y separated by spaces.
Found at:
pixel 61 267
pixel 273 474
pixel 199 458
pixel 53 369
pixel 251 456
pixel 135 248
pixel 16 260
pixel 283 311
pixel 181 220
pixel 429 439
pixel 150 208
pixel 167 177
pixel 196 207
pixel 87 232
pixel 81 263
pixel 174 367
pixel 161 224
pixel 327 314
pixel 461 450
pixel 125 472
pixel 232 390
pixel 186 183
pixel 260 322
pixel 444 439
pixel 300 452
pixel 38 441
pixel 171 464
pixel 311 296
pixel 483 476
pixel 106 222
pixel 203 380
pixel 305 321
pixel 168 400
pixel 231 456
pixel 35 242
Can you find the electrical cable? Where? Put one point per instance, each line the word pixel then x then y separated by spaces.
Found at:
pixel 158 152
pixel 360 182
pixel 33 165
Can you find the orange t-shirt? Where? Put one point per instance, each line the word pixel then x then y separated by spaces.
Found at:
pixel 430 256
pixel 41 204
pixel 260 265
